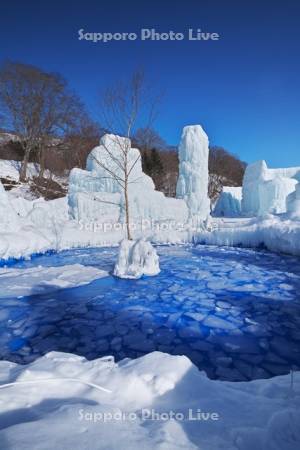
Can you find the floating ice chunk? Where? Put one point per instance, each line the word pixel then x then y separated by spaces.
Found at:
pixel 218 322
pixel 218 284
pixel 286 287
pixel 196 316
pixel 36 280
pixel 136 258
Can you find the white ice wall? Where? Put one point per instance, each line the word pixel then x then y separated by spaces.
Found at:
pixel 95 193
pixel 273 194
pixel 293 203
pixel 229 202
pixel 265 190
pixel 192 185
pixel 108 159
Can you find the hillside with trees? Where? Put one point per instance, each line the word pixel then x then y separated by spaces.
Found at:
pixel 52 129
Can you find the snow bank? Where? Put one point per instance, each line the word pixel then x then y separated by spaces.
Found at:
pixel 28 227
pixel 192 185
pixel 135 259
pixel 276 233
pixel 265 190
pixel 229 202
pixel 36 280
pixel 103 404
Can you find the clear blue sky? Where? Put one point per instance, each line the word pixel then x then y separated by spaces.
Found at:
pixel 244 89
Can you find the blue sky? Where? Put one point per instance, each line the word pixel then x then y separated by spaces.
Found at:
pixel 244 89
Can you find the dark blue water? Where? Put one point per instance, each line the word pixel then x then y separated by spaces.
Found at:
pixel 235 313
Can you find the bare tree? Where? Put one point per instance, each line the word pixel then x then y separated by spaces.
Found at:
pixel 226 165
pixel 38 106
pixel 78 143
pixel 147 139
pixel 125 106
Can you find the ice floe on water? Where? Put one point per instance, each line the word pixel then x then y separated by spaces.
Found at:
pixel 37 280
pixel 234 313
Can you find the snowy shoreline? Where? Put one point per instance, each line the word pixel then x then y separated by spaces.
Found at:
pixel 93 214
pixel 276 234
pixel 61 391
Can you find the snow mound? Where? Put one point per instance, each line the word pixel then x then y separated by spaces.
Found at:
pixel 229 202
pixel 192 185
pixel 37 280
pixel 118 402
pixel 265 190
pixel 135 259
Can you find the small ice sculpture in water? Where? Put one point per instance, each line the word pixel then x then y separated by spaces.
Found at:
pixel 136 258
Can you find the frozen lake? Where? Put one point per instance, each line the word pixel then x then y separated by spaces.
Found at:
pixel 235 313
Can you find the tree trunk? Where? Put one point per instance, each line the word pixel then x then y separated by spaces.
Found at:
pixel 127 210
pixel 42 162
pixel 24 164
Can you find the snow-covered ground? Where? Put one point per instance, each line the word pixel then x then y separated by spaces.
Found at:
pixel 11 169
pixel 6 137
pixel 158 401
pixel 10 173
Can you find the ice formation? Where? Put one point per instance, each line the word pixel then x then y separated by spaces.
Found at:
pixel 109 156
pixel 95 201
pixel 229 202
pixel 95 194
pixel 192 185
pixel 135 259
pixel 265 190
pixel 293 203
